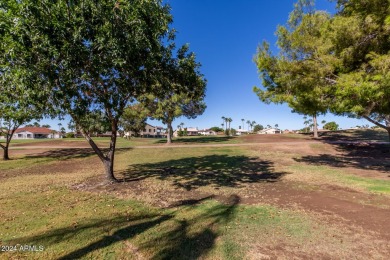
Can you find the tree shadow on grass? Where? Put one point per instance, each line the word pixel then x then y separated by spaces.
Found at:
pixel 360 156
pixel 211 170
pixel 176 238
pixel 198 139
pixel 71 153
pixel 366 135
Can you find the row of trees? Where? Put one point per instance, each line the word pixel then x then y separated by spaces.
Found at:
pixel 338 64
pixel 94 60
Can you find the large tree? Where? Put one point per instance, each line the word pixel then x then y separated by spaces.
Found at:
pixel 13 114
pixel 360 33
pixel 134 118
pixel 181 73
pixel 19 102
pixel 302 74
pixel 95 56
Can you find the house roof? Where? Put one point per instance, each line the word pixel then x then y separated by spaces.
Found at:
pixel 35 130
pixel 192 129
pixel 270 129
pixel 206 130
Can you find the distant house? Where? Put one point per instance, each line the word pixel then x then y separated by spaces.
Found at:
pixel 191 131
pixel 35 133
pixel 149 131
pixel 242 132
pixel 206 132
pixel 270 131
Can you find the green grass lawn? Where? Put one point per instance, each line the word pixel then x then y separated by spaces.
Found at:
pixel 42 208
pixel 134 141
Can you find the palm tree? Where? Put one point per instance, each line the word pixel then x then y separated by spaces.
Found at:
pixel 253 124
pixel 276 125
pixel 243 121
pixel 224 120
pixel 248 122
pixel 229 120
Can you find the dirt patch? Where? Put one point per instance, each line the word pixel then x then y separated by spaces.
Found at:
pixel 53 143
pixel 272 138
pixel 337 204
pixel 57 166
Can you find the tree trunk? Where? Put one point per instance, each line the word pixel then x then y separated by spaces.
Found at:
pixel 109 160
pixel 5 155
pixel 315 126
pixel 7 142
pixel 388 132
pixel 170 133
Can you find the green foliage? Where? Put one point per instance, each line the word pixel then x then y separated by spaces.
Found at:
pixel 180 133
pixel 134 118
pixel 216 129
pixel 360 35
pixel 186 89
pixel 339 64
pixel 93 123
pixel 88 56
pixel 69 135
pixel 257 128
pixel 305 130
pixel 301 75
pixel 333 126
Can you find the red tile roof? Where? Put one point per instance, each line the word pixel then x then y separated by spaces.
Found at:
pixel 35 130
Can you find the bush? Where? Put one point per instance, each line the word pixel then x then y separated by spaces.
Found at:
pixel 180 133
pixel 69 135
pixel 331 126
pixel 230 132
pixel 216 129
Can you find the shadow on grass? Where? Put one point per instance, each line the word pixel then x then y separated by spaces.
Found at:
pixel 361 156
pixel 211 170
pixel 177 238
pixel 198 139
pixel 366 135
pixel 71 153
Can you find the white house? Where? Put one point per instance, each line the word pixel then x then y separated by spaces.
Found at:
pixel 270 131
pixel 149 131
pixel 206 132
pixel 191 131
pixel 35 133
pixel 241 132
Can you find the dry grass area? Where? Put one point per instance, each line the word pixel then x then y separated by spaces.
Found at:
pixel 263 201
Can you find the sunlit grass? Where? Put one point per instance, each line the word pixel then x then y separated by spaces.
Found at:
pixel 325 174
pixel 45 209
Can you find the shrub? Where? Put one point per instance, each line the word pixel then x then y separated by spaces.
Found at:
pixel 331 126
pixel 69 135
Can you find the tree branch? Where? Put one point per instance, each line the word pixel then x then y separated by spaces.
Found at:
pixel 375 122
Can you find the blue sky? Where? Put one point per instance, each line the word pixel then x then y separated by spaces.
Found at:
pixel 224 35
